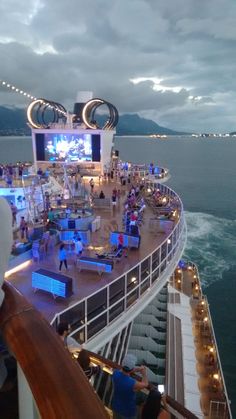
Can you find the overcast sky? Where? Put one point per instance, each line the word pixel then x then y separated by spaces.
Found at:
pixel 173 61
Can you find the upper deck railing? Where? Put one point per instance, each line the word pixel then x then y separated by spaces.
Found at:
pixel 90 316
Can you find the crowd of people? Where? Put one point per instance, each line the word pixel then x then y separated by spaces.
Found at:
pixel 132 217
pixel 133 209
pixel 11 172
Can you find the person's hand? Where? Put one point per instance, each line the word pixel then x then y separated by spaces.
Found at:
pixel 164 402
pixel 142 369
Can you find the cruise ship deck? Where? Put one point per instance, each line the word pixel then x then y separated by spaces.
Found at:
pixel 143 302
pixel 153 234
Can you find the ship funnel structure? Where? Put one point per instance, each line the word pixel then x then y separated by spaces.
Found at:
pixel 81 99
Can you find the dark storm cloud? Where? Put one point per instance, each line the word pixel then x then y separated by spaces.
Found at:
pixel 53 49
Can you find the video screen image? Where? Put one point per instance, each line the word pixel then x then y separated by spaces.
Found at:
pixel 68 147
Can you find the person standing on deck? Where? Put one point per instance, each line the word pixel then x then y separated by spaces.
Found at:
pixel 101 195
pixel 84 362
pixel 91 182
pixel 125 387
pixel 78 247
pixel 120 241
pixel 63 330
pixel 62 257
pixel 14 212
pixel 114 200
pixel 155 406
pixel 23 228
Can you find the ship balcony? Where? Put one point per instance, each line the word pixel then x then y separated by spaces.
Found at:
pixel 195 376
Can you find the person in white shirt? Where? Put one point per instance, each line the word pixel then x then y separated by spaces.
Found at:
pixel 63 330
pixel 78 247
pixel 68 211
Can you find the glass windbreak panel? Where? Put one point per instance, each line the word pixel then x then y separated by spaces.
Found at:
pixel 126 340
pixel 155 275
pixel 103 385
pixel 80 335
pixel 174 237
pixel 127 335
pixel 178 229
pixel 131 298
pixel 75 316
pixel 155 259
pixel 97 304
pixel 132 278
pixel 116 310
pixel 121 343
pixel 145 268
pixel 145 285
pixel 94 327
pixel 112 349
pixel 170 256
pixel 169 245
pixel 163 266
pixel 117 290
pixel 163 251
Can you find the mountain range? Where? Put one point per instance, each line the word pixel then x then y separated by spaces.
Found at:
pixel 13 121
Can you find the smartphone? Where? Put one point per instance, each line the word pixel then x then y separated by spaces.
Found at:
pixel 161 388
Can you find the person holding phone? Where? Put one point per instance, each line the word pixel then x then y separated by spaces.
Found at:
pixel 125 388
pixel 155 406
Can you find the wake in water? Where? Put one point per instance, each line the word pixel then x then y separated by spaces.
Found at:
pixel 211 245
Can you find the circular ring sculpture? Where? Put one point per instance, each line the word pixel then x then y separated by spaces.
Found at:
pixel 37 109
pixel 89 110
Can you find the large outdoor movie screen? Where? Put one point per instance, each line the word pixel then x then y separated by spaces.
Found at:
pixel 68 147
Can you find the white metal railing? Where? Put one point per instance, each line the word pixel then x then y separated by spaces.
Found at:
pixel 218 410
pixel 168 248
pixel 218 357
pixel 143 172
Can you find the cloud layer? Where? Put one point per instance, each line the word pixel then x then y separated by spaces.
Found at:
pixel 182 53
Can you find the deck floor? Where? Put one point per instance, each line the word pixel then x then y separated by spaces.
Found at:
pixel 87 282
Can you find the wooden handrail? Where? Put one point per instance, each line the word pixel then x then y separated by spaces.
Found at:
pixel 100 360
pixel 58 384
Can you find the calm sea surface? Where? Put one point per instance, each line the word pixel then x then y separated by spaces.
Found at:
pixel 203 173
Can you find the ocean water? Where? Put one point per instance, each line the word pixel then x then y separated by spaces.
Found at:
pixel 203 173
